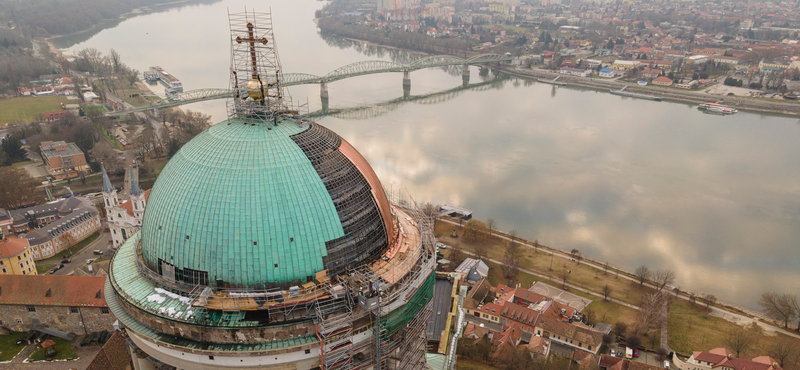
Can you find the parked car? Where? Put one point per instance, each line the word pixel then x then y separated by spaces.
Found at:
pixel 613 353
pixel 635 352
pixel 89 262
pixel 66 260
pixel 619 354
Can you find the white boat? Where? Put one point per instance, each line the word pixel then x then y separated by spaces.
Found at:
pixel 717 108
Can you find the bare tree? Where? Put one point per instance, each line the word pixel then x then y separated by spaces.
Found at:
pixel 620 328
pixel 474 230
pixel 17 188
pixel 535 245
pixel 491 226
pixel 642 273
pixel 480 251
pixel 513 235
pixel 456 255
pixel 564 278
pixel 633 341
pixel 652 311
pixel 778 307
pixel 662 278
pixel 606 292
pixel 739 339
pixel 116 61
pixel 510 269
pixel 710 301
pixel 784 350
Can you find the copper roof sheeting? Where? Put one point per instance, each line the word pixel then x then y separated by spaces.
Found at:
pixel 48 290
pixel 377 189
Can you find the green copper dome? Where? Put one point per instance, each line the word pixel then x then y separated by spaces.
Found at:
pixel 253 205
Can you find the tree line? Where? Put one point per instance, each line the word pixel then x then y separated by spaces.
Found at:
pixel 61 17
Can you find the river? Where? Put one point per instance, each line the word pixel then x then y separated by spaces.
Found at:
pixel 631 182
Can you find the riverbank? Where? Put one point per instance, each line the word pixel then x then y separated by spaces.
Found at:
pixel 109 22
pixel 683 96
pixel 740 103
pixel 592 275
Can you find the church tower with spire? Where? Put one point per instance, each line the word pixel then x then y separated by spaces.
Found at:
pixel 109 193
pixel 124 212
pixel 137 198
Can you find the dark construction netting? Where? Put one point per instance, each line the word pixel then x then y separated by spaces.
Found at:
pixel 364 232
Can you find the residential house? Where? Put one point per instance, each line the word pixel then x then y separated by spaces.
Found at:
pixel 574 335
pixel 473 331
pixel 575 72
pixel 650 73
pixel 473 270
pixel 56 115
pixel 724 359
pixel 662 81
pixel 624 65
pixel 607 73
pixel 538 347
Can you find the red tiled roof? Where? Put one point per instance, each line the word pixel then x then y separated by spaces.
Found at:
pixel 63 290
pixel 113 356
pixel 128 206
pixel 12 246
pixel 664 79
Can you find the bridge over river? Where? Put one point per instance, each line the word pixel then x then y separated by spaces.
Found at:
pixel 351 70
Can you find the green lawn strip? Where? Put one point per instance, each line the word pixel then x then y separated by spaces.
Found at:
pixel 63 352
pixel 23 163
pixel 72 250
pixel 43 268
pixel 27 107
pixel 112 139
pixel 8 347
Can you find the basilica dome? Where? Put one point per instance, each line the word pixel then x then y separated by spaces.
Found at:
pixel 252 205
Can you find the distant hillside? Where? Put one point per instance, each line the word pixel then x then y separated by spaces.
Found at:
pixel 61 17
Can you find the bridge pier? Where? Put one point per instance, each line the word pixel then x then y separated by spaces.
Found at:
pixel 323 91
pixel 406 80
pixel 325 106
pixel 406 91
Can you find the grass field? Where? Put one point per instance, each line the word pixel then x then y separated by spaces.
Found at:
pixel 539 261
pixel 690 329
pixel 63 352
pixel 27 107
pixel 8 347
pixel 612 313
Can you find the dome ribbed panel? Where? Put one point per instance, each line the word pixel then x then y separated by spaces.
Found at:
pixel 237 200
pixel 365 236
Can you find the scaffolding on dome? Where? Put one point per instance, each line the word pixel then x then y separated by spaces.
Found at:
pixel 256 76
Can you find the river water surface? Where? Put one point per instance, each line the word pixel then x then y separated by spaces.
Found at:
pixel 631 182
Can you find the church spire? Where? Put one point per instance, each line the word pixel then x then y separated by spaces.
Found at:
pixel 107 188
pixel 135 190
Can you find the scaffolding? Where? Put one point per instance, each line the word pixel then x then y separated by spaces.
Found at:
pixel 256 77
pixel 335 333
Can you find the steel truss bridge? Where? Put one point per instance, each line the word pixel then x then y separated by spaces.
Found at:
pixel 351 70
pixel 379 109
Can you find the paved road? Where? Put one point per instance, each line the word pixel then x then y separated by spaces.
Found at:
pixel 715 311
pixel 79 259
